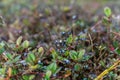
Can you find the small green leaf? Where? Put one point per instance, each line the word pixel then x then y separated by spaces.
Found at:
pixel 102 63
pixel 9 56
pixel 73 55
pixel 118 51
pixel 80 54
pixel 31 58
pixel 107 11
pixel 25 44
pixel 77 67
pixel 2 50
pixel 116 44
pixel 48 74
pixel 2 44
pixel 19 40
pixel 31 77
pixel 25 77
pixel 58 70
pixel 14 71
pixel 2 71
pixel 69 39
pixel 54 53
pixel 34 67
pixel 16 58
pixel 52 67
pixel 40 50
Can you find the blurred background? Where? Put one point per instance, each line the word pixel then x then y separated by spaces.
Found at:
pixel 33 18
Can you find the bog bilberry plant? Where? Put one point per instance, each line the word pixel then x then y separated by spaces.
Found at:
pixel 45 41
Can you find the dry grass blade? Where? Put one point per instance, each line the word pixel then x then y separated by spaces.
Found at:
pixel 99 77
